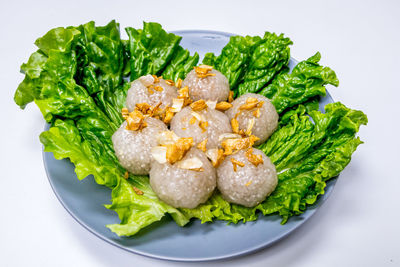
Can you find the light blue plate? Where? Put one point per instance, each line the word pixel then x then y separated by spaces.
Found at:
pixel 84 200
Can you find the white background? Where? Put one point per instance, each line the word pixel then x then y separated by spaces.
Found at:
pixel 357 226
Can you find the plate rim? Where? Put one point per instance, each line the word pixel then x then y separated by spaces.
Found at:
pixel 253 249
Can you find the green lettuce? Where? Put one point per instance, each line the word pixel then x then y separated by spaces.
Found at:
pixel 306 155
pixel 66 139
pixel 249 62
pixel 180 64
pixel 78 77
pixel 307 80
pixel 77 80
pixel 138 211
pixel 154 51
pixel 234 58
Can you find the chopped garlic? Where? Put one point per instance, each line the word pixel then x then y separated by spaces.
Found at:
pixel 137 190
pixel 170 82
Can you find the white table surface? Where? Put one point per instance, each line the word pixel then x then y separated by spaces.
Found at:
pixel 357 226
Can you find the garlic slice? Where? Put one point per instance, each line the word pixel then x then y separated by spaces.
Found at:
pixel 147 80
pixel 211 104
pixel 190 164
pixel 177 104
pixel 198 116
pixel 167 138
pixel 159 153
pixel 228 136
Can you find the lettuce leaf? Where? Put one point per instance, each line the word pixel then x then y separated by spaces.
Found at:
pixel 154 51
pixel 150 49
pixel 138 211
pixel 306 155
pixel 180 64
pixel 307 80
pixel 65 140
pixel 249 62
pixel 268 58
pixel 234 58
pixel 78 78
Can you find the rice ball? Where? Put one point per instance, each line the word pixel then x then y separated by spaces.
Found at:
pixel 215 88
pixel 132 148
pixel 185 124
pixel 143 91
pixel 183 188
pixel 249 185
pixel 266 122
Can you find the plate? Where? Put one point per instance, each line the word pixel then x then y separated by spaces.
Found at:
pixel 85 200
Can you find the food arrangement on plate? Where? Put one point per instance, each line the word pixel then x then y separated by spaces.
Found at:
pixel 232 138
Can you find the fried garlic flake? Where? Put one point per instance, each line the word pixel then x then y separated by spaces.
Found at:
pixel 253 158
pixel 135 121
pixel 223 106
pixel 216 156
pixel 125 113
pixel 170 82
pixel 235 125
pixel 137 190
pixel 230 145
pixel 202 145
pixel 248 183
pixel 203 125
pixel 202 71
pixel 230 98
pixel 179 83
pixel 198 105
pixel 236 163
pixel 176 151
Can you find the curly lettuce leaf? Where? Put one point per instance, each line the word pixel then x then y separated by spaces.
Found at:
pixel 138 211
pixel 307 80
pixel 268 58
pixel 101 64
pixel 78 80
pixel 180 64
pixel 150 49
pixel 306 155
pixel 65 141
pixel 251 62
pixel 58 39
pixel 234 58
